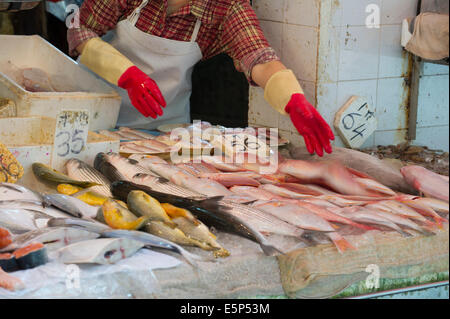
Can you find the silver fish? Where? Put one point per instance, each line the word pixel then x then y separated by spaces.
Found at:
pixel 92 226
pixel 137 132
pixel 22 204
pixel 153 241
pixel 72 205
pixel 52 238
pixel 81 171
pixel 10 191
pixel 116 167
pixel 22 220
pixel 99 251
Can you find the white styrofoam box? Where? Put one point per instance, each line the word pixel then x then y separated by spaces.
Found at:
pixel 273 32
pixel 435 137
pixel 394 61
pixel 354 11
pixel 269 9
pixel 302 12
pixel 359 53
pixel 30 140
pixel 260 112
pixel 100 99
pixel 394 11
pixel 392 104
pixel 433 103
pixel 329 53
pixel 299 51
pixel 393 137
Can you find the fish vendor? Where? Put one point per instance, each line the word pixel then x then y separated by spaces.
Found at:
pixel 148 49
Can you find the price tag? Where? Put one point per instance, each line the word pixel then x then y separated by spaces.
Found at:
pixel 355 122
pixel 244 143
pixel 72 128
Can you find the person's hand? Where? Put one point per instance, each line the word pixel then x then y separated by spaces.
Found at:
pixel 143 92
pixel 310 124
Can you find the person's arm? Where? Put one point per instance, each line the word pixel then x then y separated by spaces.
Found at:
pixel 245 42
pixel 284 93
pixel 96 18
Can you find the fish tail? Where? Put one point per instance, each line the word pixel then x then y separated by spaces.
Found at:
pixel 192 259
pixel 439 222
pixel 340 242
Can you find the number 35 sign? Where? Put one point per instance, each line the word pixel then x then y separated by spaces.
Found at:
pixel 72 128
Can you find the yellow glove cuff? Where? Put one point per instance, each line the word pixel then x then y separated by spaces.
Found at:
pixel 279 89
pixel 103 59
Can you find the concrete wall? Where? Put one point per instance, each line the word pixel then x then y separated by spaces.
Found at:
pixel 335 55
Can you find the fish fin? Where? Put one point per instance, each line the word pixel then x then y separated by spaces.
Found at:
pixel 404 233
pixel 163 180
pixel 364 227
pixel 172 225
pixel 427 232
pixel 340 242
pixel 270 250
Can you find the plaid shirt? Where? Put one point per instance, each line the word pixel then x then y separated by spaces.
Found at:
pixel 228 26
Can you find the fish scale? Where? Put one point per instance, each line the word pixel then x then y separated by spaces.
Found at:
pixel 81 171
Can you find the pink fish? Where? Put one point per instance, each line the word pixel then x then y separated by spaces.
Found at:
pixel 330 216
pixel 331 174
pixel 233 179
pixel 301 217
pixel 427 182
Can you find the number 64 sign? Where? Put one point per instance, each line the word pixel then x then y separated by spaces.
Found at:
pixel 72 128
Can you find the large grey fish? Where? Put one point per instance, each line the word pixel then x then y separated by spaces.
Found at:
pixel 50 176
pixel 81 171
pixel 72 205
pixel 52 238
pixel 265 223
pixel 99 251
pixel 173 223
pixel 208 211
pixel 118 168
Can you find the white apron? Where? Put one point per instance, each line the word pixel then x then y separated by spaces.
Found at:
pixel 168 62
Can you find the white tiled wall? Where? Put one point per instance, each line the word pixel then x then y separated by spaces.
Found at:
pixel 352 60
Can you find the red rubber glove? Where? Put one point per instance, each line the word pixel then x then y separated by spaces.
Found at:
pixel 143 92
pixel 310 124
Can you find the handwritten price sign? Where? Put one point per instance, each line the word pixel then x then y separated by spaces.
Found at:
pixel 72 128
pixel 355 122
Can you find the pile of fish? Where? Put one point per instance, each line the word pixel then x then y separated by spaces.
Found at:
pixel 108 212
pixel 301 197
pixel 199 136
